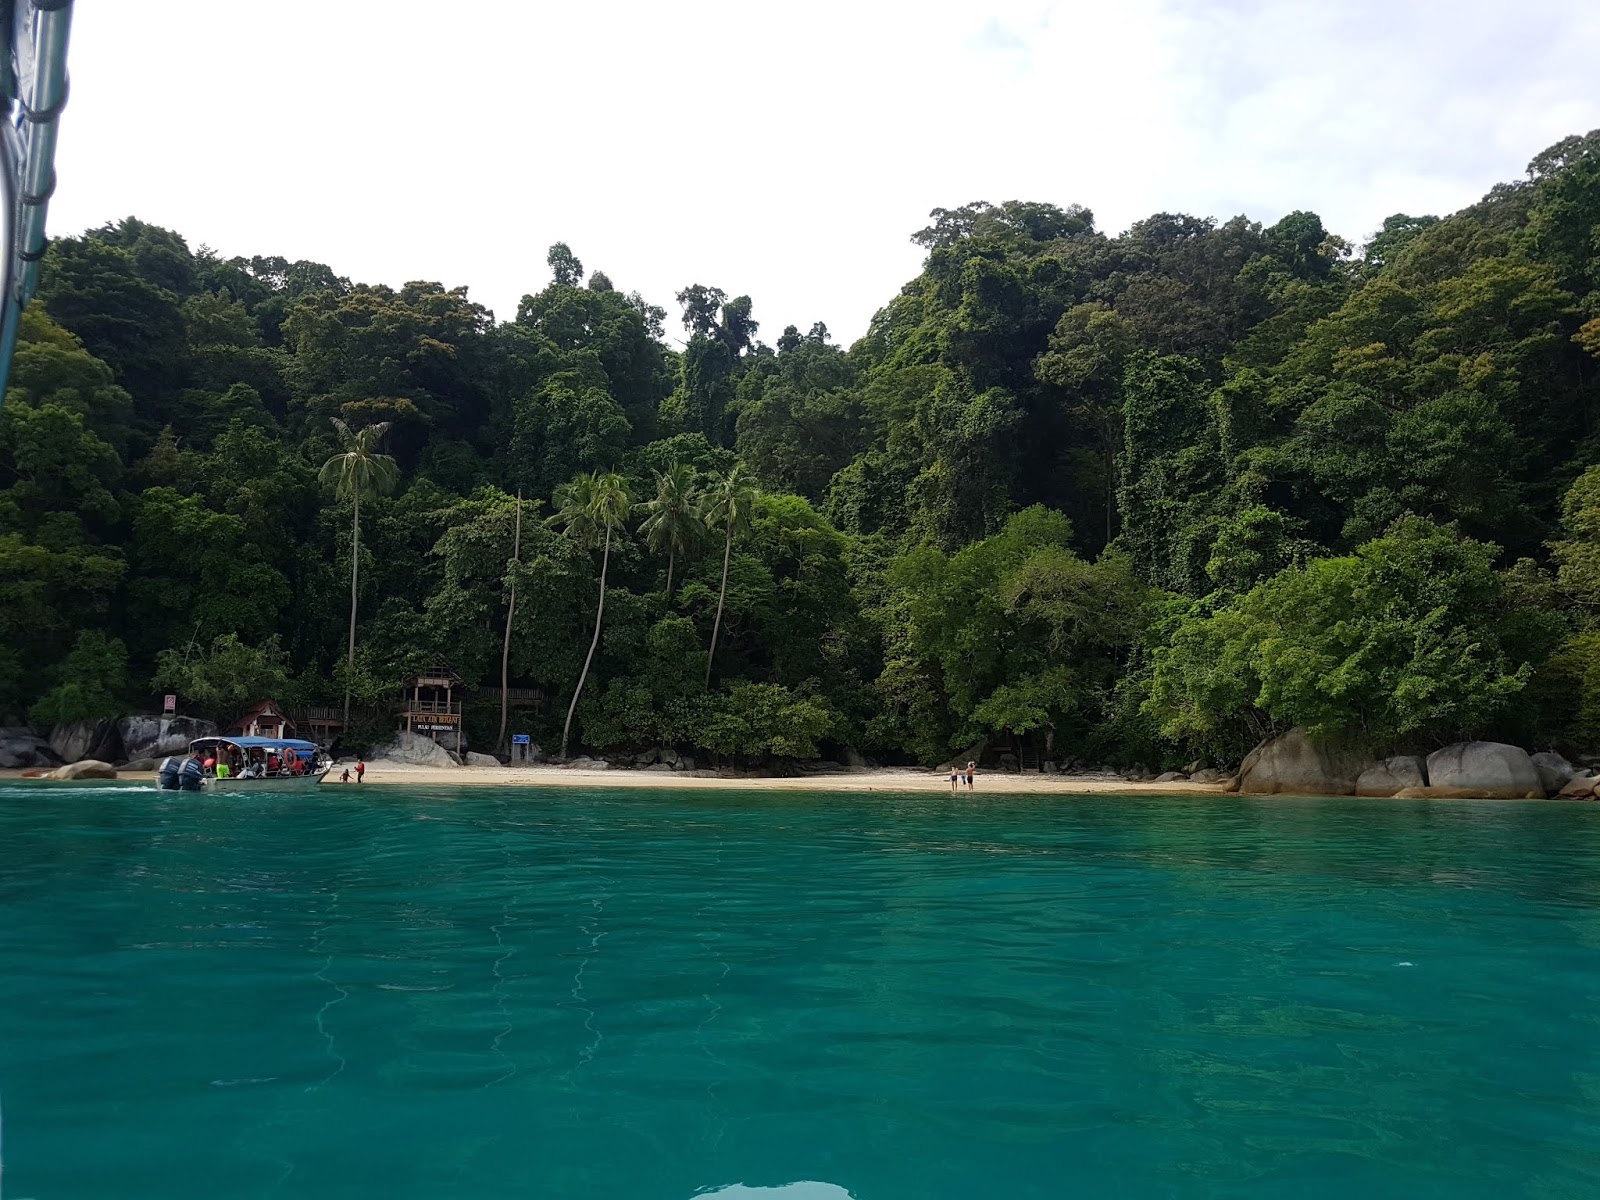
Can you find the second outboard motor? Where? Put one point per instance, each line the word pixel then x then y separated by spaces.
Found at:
pixel 167 777
pixel 191 775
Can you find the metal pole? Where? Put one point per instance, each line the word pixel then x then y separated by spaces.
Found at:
pixel 37 53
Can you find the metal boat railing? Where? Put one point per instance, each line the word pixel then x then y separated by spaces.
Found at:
pixel 33 89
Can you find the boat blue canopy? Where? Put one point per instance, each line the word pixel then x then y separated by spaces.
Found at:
pixel 267 743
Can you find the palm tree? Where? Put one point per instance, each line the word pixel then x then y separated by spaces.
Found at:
pixel 358 473
pixel 591 507
pixel 672 527
pixel 511 610
pixel 727 505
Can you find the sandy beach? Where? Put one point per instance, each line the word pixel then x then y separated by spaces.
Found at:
pixel 883 779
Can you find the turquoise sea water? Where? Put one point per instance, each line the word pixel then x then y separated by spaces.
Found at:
pixel 610 996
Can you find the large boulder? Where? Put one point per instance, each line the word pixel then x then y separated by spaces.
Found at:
pixel 87 769
pixel 24 748
pixel 1296 764
pixel 146 736
pixel 1439 793
pixel 417 751
pixel 1489 769
pixel 1555 772
pixel 1579 787
pixel 1392 775
pixel 79 740
pixel 474 759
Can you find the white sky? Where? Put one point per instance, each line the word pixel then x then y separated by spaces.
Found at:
pixel 785 150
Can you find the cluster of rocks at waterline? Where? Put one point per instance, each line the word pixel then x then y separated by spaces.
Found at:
pixel 131 742
pixel 25 748
pixel 1297 764
pixel 416 750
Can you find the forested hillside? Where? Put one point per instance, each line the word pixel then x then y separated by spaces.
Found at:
pixel 1130 498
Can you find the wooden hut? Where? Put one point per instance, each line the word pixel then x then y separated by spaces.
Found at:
pixel 265 719
pixel 431 705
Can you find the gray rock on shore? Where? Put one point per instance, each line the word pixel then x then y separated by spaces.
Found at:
pixel 1579 787
pixel 1493 770
pixel 1392 775
pixel 1555 772
pixel 143 735
pixel 86 769
pixel 24 748
pixel 1293 764
pixel 422 751
pixel 79 740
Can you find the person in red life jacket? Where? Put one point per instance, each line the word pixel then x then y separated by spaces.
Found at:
pixel 361 769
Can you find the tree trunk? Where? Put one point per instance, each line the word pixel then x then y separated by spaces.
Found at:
pixel 716 626
pixel 566 731
pixel 669 574
pixel 355 561
pixel 1110 492
pixel 511 608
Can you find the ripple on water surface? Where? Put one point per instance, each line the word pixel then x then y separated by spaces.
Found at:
pixel 600 995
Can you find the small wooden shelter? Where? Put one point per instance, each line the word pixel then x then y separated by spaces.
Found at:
pixel 265 719
pixel 431 705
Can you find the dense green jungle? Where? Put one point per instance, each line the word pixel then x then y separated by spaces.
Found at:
pixel 1127 498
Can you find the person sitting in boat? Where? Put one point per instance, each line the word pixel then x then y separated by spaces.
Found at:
pixel 272 762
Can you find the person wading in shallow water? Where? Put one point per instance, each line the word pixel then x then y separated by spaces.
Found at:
pixel 955 777
pixel 972 769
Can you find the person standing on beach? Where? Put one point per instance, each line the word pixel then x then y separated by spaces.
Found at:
pixel 361 769
pixel 955 777
pixel 972 769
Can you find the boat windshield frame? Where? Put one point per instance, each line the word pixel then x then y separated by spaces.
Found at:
pixel 299 746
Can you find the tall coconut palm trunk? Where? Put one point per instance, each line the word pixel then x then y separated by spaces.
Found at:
pixel 716 625
pixel 599 612
pixel 356 471
pixel 511 610
pixel 355 566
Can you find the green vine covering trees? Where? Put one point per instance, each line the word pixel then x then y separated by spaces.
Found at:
pixel 1123 498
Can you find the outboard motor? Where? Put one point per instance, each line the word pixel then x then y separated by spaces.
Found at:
pixel 171 769
pixel 191 775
